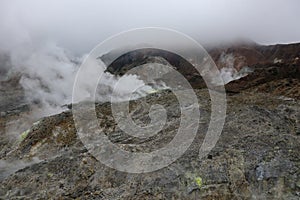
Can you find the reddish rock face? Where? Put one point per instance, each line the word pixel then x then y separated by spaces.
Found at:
pixel 273 67
pixel 243 56
pixel 254 54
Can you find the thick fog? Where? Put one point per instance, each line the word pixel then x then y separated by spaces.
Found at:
pixel 79 25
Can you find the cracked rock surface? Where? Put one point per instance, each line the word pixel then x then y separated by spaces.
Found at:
pixel 256 157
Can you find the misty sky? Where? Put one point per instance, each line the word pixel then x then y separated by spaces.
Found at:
pixel 79 25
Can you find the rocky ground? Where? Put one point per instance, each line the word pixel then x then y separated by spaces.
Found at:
pixel 256 157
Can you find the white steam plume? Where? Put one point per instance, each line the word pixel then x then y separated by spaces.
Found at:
pixel 229 72
pixel 48 73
